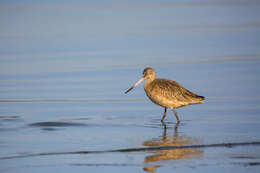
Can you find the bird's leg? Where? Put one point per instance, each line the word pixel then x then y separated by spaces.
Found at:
pixel 176 115
pixel 164 114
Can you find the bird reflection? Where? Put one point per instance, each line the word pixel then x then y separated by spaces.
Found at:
pixel 171 154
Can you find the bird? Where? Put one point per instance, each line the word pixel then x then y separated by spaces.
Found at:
pixel 166 93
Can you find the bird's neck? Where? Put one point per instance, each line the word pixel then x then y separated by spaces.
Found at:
pixel 147 82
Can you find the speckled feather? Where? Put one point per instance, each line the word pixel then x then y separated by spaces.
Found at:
pixel 170 94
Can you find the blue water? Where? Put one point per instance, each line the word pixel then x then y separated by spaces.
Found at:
pixel 64 67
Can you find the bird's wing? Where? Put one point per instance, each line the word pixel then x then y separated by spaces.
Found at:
pixel 172 90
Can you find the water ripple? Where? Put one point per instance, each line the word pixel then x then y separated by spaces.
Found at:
pixel 140 149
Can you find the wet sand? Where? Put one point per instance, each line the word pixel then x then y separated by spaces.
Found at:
pixel 64 69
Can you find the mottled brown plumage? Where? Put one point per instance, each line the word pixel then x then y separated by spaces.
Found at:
pixel 166 93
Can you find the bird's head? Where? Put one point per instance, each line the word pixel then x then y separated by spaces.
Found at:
pixel 148 74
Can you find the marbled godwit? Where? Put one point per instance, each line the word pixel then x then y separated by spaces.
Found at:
pixel 166 93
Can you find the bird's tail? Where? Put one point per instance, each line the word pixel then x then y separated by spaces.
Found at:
pixel 194 96
pixel 201 97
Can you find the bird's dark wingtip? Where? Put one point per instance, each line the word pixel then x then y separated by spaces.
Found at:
pixel 202 97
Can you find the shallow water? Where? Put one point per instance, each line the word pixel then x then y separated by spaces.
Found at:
pixel 64 68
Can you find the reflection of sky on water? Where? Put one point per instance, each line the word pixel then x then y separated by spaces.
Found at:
pixel 53 50
pixel 90 50
pixel 53 36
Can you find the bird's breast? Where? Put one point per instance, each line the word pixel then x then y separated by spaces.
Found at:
pixel 155 95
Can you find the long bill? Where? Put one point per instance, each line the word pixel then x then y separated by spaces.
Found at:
pixel 137 83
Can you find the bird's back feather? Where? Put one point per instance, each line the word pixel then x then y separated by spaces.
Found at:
pixel 171 94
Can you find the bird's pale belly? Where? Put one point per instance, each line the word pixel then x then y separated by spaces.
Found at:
pixel 165 102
